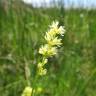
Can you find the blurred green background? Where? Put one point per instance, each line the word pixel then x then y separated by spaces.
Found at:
pixel 72 72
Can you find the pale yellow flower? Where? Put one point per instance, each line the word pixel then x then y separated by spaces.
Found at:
pixel 27 91
pixel 61 30
pixel 46 50
pixel 49 36
pixel 50 48
pixel 55 42
pixel 55 30
pixel 54 24
pixel 43 49
pixel 45 61
pixel 52 51
pixel 42 71
pixel 40 64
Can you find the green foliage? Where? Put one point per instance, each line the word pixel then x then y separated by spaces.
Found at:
pixel 71 73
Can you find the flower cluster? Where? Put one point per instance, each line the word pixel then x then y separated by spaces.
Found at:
pixel 50 48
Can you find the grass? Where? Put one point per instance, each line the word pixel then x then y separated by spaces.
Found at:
pixel 71 73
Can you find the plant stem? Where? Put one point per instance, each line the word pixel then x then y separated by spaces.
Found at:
pixel 27 73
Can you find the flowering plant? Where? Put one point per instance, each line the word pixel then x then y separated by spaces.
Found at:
pixel 47 50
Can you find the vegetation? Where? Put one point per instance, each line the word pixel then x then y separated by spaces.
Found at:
pixel 71 73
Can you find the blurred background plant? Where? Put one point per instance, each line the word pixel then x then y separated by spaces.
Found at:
pixel 22 27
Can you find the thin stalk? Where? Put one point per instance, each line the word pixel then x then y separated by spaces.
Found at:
pixel 27 73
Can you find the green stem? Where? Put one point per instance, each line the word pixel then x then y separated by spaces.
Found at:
pixel 34 84
pixel 27 73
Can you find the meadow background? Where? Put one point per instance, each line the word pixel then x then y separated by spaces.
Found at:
pixel 72 72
